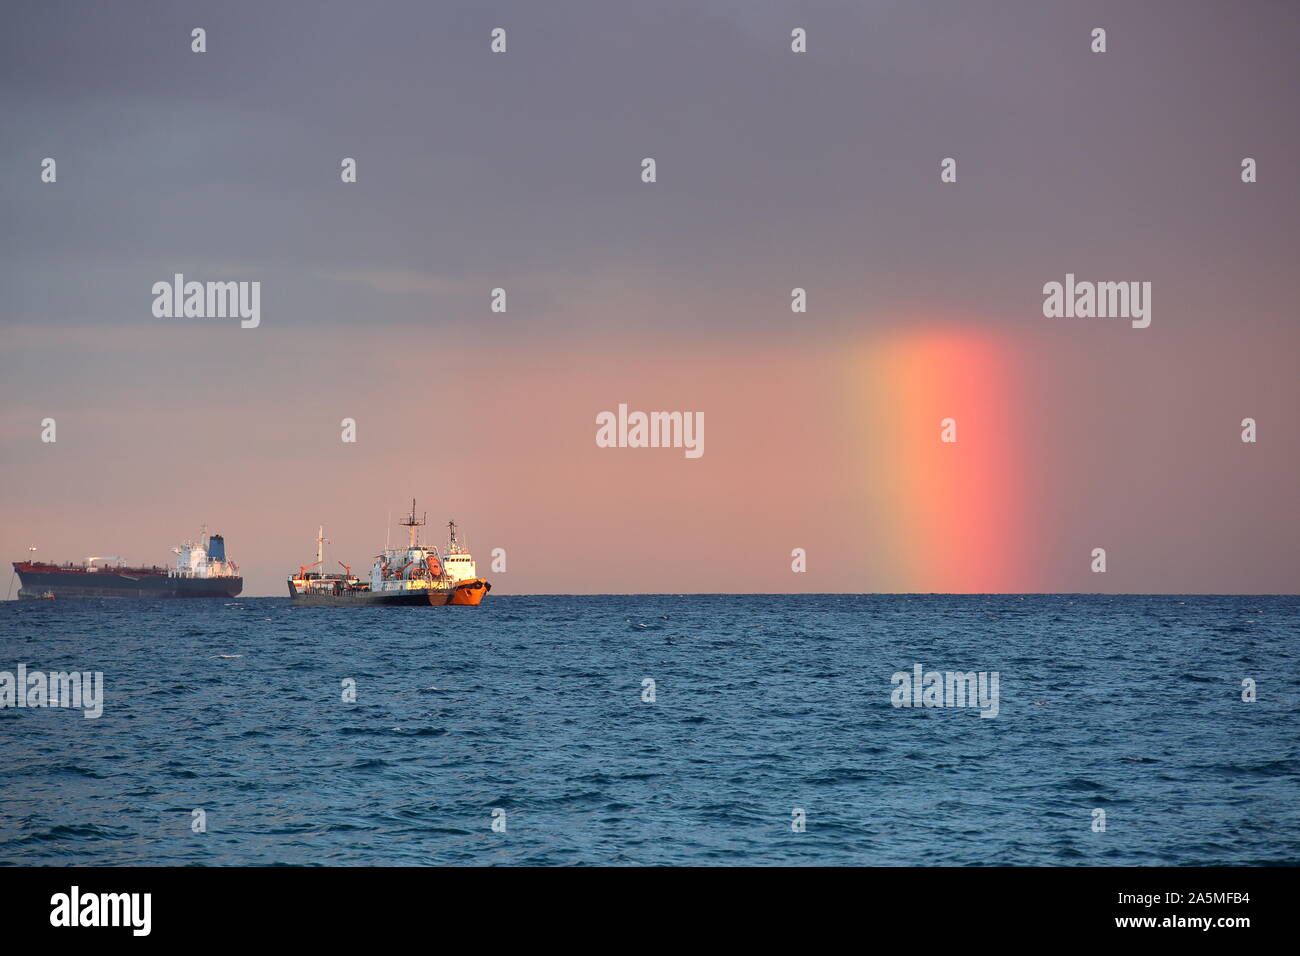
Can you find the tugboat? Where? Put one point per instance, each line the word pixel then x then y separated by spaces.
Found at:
pixel 458 564
pixel 414 575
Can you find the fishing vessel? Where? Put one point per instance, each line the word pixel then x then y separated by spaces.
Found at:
pixel 201 571
pixel 414 575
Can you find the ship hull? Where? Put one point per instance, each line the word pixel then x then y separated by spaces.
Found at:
pixel 470 593
pixel 465 594
pixel 370 599
pixel 36 585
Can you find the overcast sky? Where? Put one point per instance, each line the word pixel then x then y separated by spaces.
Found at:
pixel 776 170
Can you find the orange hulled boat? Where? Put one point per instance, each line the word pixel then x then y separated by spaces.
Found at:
pixel 414 575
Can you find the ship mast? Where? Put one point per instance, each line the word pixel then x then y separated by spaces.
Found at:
pixel 320 549
pixel 411 523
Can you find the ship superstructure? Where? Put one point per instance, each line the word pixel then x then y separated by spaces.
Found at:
pixel 456 561
pixel 415 574
pixel 203 558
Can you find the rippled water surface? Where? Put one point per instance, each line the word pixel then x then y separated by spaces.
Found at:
pixel 763 704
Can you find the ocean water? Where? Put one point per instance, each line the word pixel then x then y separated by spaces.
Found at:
pixel 762 705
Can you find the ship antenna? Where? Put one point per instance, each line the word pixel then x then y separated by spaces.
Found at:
pixel 412 523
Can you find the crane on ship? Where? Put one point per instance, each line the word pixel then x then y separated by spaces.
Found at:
pixel 321 541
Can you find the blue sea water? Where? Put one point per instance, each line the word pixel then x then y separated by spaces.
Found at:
pixel 763 704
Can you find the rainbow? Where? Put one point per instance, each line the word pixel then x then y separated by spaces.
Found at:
pixel 950 517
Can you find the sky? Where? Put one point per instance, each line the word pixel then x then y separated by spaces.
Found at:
pixel 775 170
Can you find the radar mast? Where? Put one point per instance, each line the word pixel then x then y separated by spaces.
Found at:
pixel 411 523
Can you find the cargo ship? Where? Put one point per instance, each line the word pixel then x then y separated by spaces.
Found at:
pixel 414 575
pixel 201 571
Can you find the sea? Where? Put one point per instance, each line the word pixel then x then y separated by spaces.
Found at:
pixel 676 730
